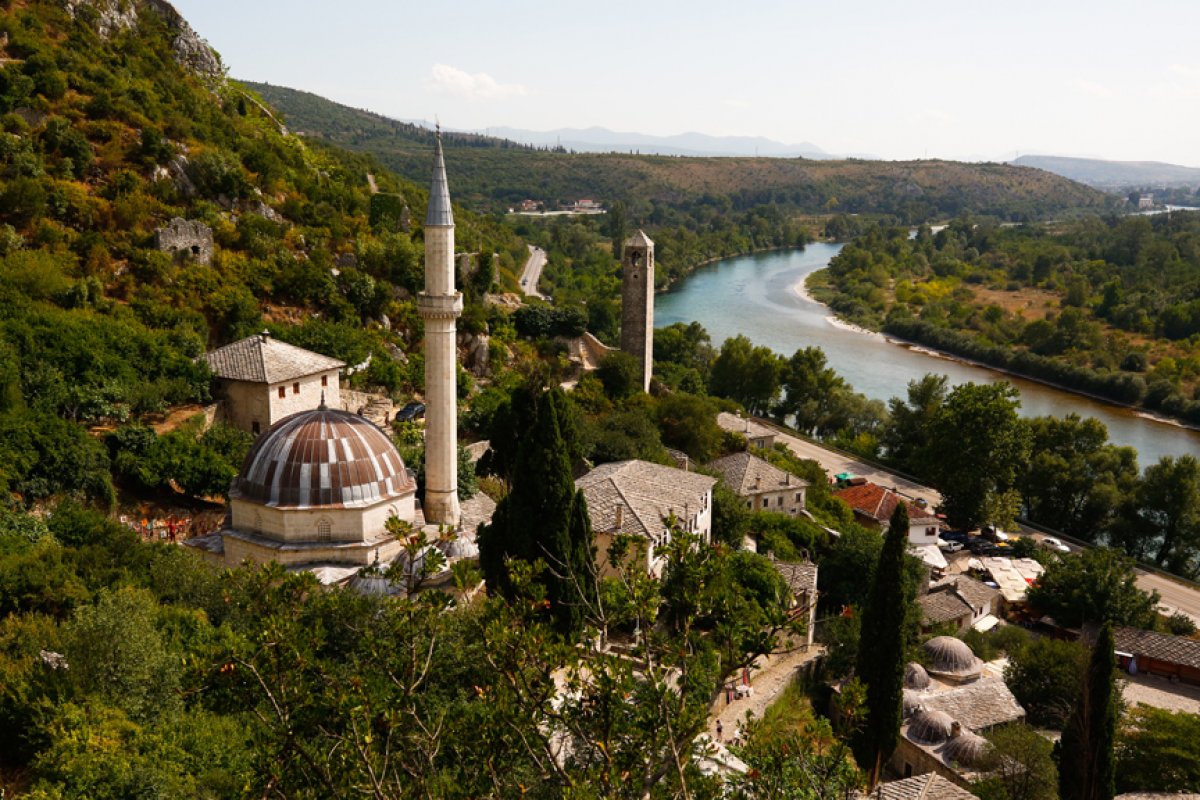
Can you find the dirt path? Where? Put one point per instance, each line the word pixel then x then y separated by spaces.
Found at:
pixel 774 675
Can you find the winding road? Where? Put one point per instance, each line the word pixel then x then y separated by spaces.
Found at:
pixel 533 272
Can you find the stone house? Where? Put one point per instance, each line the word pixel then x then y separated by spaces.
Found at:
pixel 801 578
pixel 764 486
pixel 261 380
pixel 636 499
pixel 960 600
pixel 1174 657
pixel 919 787
pixel 757 435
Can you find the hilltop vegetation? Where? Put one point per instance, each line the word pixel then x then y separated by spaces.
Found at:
pixel 500 174
pixel 1115 174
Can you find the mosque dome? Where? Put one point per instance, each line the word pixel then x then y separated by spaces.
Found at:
pixel 930 726
pixel 915 676
pixel 966 748
pixel 911 703
pixel 951 657
pixel 324 458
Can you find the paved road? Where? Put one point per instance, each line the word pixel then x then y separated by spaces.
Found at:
pixel 533 271
pixel 1176 596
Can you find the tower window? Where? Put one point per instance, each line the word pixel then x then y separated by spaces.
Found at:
pixel 282 392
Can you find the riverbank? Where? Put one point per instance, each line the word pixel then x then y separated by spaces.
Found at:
pixel 687 273
pixel 801 289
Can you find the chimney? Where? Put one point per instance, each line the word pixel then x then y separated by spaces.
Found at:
pixel 955 729
pixel 620 517
pixel 787 479
pixel 266 334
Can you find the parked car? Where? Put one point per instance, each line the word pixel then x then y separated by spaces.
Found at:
pixel 951 546
pixel 1054 544
pixel 411 411
pixel 954 536
pixel 995 535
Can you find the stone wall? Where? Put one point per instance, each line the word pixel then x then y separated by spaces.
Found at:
pixel 249 404
pixel 295 526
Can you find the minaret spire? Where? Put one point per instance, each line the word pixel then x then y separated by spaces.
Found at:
pixel 440 305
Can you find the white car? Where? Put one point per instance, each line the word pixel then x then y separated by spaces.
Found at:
pixel 951 546
pixel 1055 545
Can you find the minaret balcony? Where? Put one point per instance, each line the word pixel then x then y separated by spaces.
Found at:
pixel 440 306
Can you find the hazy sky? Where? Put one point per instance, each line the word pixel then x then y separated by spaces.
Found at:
pixel 961 79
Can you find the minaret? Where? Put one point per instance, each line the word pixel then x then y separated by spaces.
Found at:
pixel 637 302
pixel 440 307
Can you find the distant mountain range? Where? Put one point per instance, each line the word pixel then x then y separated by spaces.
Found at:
pixel 603 140
pixel 1115 174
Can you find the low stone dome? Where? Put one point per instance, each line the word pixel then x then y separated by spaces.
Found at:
pixel 462 548
pixel 911 703
pixel 930 726
pixel 967 748
pixel 951 657
pixel 324 458
pixel 915 676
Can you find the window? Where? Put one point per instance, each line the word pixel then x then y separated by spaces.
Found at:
pixel 295 388
pixel 931 531
pixel 282 392
pixel 779 501
pixel 324 530
pixel 324 381
pixel 799 497
pixel 766 503
pixel 750 504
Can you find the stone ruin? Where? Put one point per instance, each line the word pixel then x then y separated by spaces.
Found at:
pixel 186 240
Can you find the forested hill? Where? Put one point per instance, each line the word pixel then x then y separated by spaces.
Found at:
pixel 498 173
pixel 117 119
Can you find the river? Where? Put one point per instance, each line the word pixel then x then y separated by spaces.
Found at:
pixel 755 296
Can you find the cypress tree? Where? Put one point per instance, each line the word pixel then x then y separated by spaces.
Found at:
pixel 1087 764
pixel 542 517
pixel 881 650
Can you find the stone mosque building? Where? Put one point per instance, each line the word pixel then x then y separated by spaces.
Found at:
pixel 318 487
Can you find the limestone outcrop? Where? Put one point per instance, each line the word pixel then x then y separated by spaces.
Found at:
pixel 113 16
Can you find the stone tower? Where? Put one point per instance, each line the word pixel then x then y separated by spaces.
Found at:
pixel 637 302
pixel 440 305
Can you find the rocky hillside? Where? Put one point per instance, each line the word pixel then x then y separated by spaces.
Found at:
pixel 149 208
pixel 500 173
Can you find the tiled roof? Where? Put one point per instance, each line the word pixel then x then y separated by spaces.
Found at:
pixel 263 359
pixel 929 786
pixel 647 493
pixel 746 427
pixel 870 499
pixel 977 594
pixel 748 474
pixel 1159 646
pixel 943 606
pixel 978 705
pixel 322 458
pixel 801 577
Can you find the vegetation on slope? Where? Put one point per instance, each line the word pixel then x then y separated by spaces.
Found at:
pixel 502 174
pixel 1109 306
pixel 103 140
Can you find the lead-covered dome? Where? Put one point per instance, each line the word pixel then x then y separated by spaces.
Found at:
pixel 951 657
pixel 915 676
pixel 930 726
pixel 966 748
pixel 325 458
